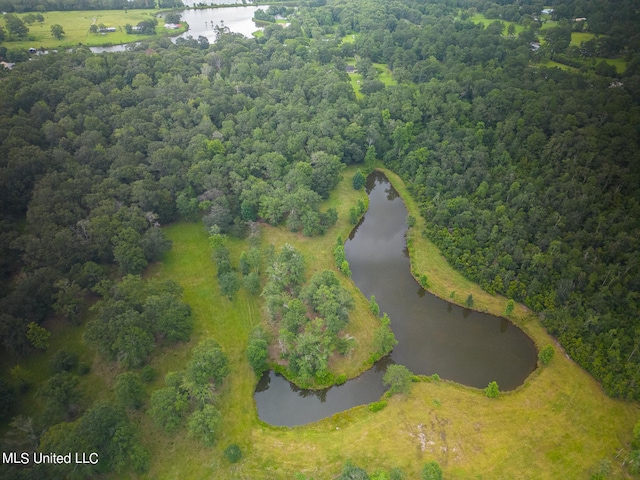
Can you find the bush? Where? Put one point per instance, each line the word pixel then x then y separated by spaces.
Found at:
pixel 469 301
pixel 411 221
pixel 398 379
pixel 63 361
pixel 148 374
pixel 546 354
pixel 377 406
pixel 431 471
pixel 358 180
pixel 492 390
pixel 257 354
pixel 233 453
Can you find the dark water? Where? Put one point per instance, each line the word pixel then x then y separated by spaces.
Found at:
pixel 433 335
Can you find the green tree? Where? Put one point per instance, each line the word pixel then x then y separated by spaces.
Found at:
pixel 546 354
pixel 129 390
pixel 358 180
pixel 509 308
pixel 57 31
pixel 59 393
pixel 168 407
pixel 208 365
pixel 252 283
pixel 398 378
pixel 469 301
pixel 383 338
pixel 63 361
pixel 258 351
pixel 233 453
pixel 373 306
pixel 16 27
pixel 370 159
pixel 344 268
pixel 431 471
pixel 492 390
pixel 204 425
pixel 38 336
pixel 353 472
pixel 169 316
pixel 229 284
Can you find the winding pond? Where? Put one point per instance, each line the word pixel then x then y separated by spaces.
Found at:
pixel 433 335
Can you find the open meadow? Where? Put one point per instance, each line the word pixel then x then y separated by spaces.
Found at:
pixel 76 26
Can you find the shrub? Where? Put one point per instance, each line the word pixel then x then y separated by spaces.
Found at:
pixel 63 361
pixel 431 471
pixel 492 390
pixel 469 301
pixel 233 453
pixel 373 306
pixel 377 406
pixel 358 180
pixel 148 374
pixel 546 354
pixel 398 379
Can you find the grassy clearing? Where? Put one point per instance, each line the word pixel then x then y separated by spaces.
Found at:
pixel 76 27
pixel 480 18
pixel 578 37
pixel 562 66
pixel 356 79
pixel 384 74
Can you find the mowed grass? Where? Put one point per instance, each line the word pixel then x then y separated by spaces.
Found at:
pixel 76 26
pixel 558 425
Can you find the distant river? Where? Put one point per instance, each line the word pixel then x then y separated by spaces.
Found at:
pixel 434 336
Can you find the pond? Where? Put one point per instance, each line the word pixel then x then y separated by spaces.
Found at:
pixel 434 336
pixel 202 22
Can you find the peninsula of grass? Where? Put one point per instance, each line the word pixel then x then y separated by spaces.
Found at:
pixel 76 26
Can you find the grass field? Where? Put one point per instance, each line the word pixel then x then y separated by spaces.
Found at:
pixel 480 18
pixel 76 27
pixel 384 75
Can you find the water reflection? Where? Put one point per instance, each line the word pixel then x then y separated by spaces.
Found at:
pixel 434 336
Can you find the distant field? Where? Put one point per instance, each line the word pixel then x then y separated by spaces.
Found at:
pixel 76 28
pixel 480 18
pixel 384 74
pixel 578 37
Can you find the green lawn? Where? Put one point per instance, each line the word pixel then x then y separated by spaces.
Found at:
pixel 76 27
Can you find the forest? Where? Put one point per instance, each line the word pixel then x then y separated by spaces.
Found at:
pixel 526 176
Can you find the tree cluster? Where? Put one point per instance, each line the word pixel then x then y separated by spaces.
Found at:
pixel 135 315
pixel 309 318
pixel 192 392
